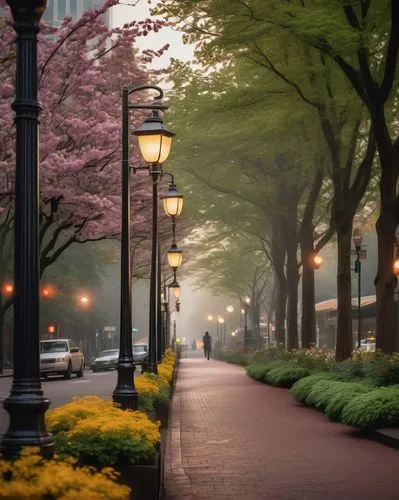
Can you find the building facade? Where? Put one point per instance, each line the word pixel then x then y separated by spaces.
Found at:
pixel 58 9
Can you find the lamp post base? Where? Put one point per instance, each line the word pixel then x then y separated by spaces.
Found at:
pixel 27 424
pixel 125 394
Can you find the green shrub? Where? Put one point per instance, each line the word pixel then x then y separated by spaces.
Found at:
pixel 322 392
pixel 349 370
pixel 381 372
pixel 258 371
pixel 300 390
pixel 344 393
pixel 285 375
pixel 372 410
pixel 234 357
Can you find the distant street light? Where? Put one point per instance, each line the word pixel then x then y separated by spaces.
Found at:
pixel 210 317
pixel 8 289
pixel 48 291
pixel 84 300
pixel 230 309
pixel 316 261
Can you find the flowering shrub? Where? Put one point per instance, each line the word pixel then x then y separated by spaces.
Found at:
pixel 99 433
pixel 313 359
pixel 170 356
pixel 165 371
pixel 164 388
pixel 148 390
pixel 275 351
pixel 31 476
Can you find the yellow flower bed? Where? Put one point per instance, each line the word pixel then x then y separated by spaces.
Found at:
pixel 146 387
pixel 165 371
pixel 102 433
pixel 35 478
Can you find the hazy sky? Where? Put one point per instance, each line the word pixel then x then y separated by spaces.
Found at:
pixel 196 305
pixel 127 11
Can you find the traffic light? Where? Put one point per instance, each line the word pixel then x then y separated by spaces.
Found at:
pixel 52 329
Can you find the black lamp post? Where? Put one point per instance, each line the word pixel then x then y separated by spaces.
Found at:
pixel 357 241
pixel 26 403
pixel 247 301
pixel 125 392
pixel 154 141
pixel 160 346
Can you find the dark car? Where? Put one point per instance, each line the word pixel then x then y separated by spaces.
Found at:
pixel 140 354
pixel 106 360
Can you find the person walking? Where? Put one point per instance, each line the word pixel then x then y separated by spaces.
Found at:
pixel 207 341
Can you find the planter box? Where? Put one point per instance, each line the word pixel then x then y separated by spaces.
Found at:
pixel 162 414
pixel 145 481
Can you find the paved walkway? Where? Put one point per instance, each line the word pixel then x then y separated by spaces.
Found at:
pixel 234 438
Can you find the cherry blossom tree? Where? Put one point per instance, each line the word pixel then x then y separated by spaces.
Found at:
pixel 82 68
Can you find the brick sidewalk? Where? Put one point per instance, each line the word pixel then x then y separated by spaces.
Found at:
pixel 234 438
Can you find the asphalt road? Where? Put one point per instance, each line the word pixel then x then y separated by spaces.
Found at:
pixel 61 391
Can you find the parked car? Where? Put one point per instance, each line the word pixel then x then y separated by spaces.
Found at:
pixel 140 354
pixel 61 356
pixel 106 360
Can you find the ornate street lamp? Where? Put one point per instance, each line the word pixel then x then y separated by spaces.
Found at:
pixel 247 301
pixel 155 141
pixel 175 287
pixel 153 147
pixel 26 403
pixel 172 201
pixel 175 257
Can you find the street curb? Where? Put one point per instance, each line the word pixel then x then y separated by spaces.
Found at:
pixel 383 436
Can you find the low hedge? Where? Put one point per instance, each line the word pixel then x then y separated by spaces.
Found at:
pixel 301 389
pixel 375 409
pixel 285 375
pixel 344 394
pixel 235 358
pixel 258 371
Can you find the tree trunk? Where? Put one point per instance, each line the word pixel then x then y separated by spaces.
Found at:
pixel 281 302
pixel 292 308
pixel 344 294
pixel 385 282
